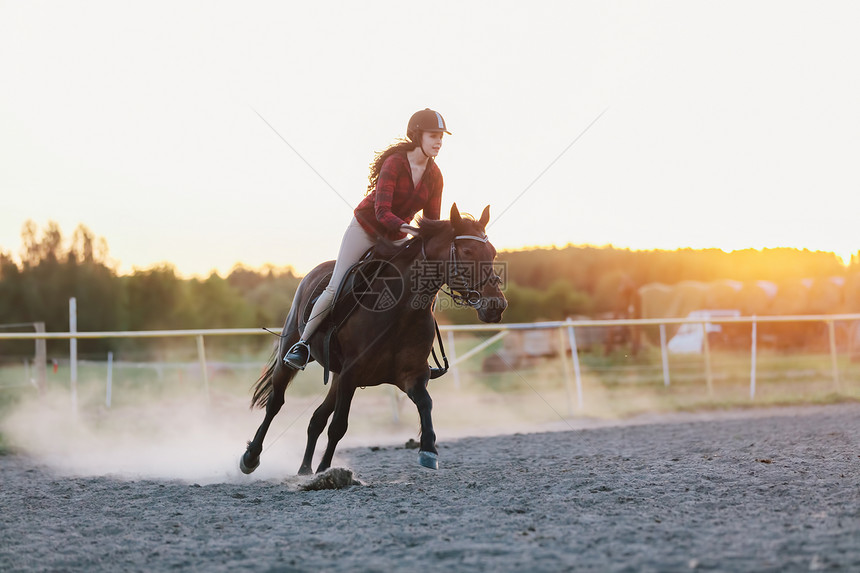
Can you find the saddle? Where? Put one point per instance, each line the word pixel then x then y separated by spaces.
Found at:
pixel 371 283
pixel 346 296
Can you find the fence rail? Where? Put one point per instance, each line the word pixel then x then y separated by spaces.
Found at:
pixel 443 327
pixel 566 328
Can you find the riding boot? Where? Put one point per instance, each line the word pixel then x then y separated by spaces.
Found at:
pixel 298 355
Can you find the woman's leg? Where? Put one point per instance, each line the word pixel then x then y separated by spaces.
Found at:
pixel 355 243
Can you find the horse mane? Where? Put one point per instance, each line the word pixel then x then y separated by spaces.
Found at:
pixel 430 228
pixel 427 229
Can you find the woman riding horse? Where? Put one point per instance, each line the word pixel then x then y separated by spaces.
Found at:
pixel 387 343
pixel 404 179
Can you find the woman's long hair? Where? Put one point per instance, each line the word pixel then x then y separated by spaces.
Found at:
pixel 402 146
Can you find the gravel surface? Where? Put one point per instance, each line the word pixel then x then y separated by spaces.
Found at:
pixel 746 491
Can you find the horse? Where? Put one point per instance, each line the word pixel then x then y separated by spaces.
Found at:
pixel 387 337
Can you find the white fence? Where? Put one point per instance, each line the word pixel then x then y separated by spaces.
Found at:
pixel 566 331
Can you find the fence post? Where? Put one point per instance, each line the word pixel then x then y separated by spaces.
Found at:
pixel 831 330
pixel 575 356
pixel 41 359
pixel 73 352
pixel 709 376
pixel 109 389
pixel 562 353
pixel 753 358
pixel 201 356
pixel 664 353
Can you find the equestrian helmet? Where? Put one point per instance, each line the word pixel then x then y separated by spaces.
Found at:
pixel 425 120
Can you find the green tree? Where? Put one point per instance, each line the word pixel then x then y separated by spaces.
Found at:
pixel 156 299
pixel 562 300
pixel 214 303
pixel 270 291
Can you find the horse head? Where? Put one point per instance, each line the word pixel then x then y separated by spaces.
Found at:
pixel 468 259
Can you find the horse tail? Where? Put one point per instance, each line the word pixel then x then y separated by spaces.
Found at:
pixel 276 373
pixel 264 386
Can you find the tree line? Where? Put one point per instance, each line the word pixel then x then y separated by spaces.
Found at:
pixel 552 283
pixel 544 283
pixel 51 270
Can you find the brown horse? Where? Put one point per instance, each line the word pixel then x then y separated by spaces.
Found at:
pixel 385 329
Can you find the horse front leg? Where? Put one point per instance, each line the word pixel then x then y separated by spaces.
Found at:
pixel 317 425
pixel 428 455
pixel 339 421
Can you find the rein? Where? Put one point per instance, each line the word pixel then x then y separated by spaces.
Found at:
pixel 439 370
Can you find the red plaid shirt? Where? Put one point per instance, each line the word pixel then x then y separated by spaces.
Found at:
pixel 395 201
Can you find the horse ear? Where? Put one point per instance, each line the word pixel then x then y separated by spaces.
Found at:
pixel 485 217
pixel 455 215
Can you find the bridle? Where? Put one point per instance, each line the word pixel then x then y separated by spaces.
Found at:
pixel 459 289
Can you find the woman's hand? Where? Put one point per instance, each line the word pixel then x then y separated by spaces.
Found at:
pixel 409 230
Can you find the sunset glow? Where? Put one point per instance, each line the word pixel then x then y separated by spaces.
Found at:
pixel 719 129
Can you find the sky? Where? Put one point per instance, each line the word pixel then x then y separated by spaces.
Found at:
pixel 204 134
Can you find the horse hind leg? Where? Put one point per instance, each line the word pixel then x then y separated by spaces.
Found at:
pixel 317 424
pixel 339 422
pixel 281 377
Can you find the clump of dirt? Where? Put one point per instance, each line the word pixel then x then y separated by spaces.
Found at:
pixel 332 478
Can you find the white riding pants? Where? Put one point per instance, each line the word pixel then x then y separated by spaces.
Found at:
pixel 355 243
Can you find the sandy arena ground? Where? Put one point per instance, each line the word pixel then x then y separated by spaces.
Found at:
pixel 755 490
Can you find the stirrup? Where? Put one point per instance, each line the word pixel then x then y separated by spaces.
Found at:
pixel 298 356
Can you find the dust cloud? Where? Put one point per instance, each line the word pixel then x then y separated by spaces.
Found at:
pixel 154 440
pixel 191 439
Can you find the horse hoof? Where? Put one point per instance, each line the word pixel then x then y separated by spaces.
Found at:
pixel 244 468
pixel 428 460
